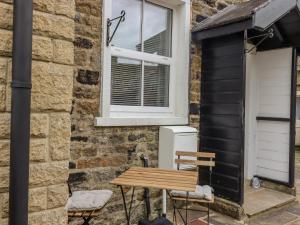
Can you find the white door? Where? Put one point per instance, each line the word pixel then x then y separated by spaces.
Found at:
pixel 273 75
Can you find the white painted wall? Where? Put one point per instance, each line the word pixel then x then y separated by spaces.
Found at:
pixel 268 94
pixel 250 117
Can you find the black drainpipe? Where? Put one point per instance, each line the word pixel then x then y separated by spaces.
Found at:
pixel 20 113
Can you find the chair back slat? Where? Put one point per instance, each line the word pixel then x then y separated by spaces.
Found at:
pixel 195 162
pixel 196 154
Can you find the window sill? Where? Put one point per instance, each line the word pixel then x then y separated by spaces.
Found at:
pixel 119 122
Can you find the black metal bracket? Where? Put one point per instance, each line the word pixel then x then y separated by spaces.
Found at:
pixel 265 36
pixel 19 84
pixel 120 19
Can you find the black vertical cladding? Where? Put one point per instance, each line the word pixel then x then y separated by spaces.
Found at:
pixel 20 112
pixel 222 112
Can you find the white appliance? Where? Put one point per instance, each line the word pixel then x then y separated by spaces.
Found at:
pixel 172 139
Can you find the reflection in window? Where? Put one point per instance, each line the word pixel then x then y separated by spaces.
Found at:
pixel 126 77
pixel 298 109
pixel 129 32
pixel 157 29
pixel 155 21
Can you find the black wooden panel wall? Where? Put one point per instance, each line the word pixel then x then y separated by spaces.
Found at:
pixel 222 113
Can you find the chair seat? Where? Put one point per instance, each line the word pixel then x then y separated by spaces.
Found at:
pixel 88 200
pixel 202 192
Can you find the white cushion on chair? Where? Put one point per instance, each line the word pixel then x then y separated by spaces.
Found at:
pixel 201 192
pixel 88 200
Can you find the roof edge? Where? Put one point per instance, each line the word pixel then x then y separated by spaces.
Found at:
pixel 208 19
pixel 223 30
pixel 266 16
pixel 261 18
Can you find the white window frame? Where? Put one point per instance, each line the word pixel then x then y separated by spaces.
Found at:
pixel 177 112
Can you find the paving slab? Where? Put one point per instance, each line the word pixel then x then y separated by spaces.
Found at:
pixel 280 217
pixel 296 222
pixel 265 199
pixel 294 210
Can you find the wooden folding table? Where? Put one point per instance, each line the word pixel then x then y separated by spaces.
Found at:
pixel 155 178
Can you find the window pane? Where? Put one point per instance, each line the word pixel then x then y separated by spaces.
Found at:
pixel 126 81
pixel 129 32
pixel 298 109
pixel 156 85
pixel 157 29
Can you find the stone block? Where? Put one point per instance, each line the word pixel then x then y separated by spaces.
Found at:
pixel 60 134
pixel 53 26
pixel 86 91
pixel 38 150
pixel 86 106
pixel 82 57
pixel 4 125
pixel 6 22
pixel 42 48
pixel 81 42
pixel 4 205
pixel 52 87
pixel 103 161
pixel 5 42
pixel 3 70
pixel 42 23
pixel 44 174
pixel 49 217
pixel 195 86
pixel 63 28
pixel 89 7
pixel 88 26
pixel 65 8
pixel 37 199
pixel 4 177
pixel 3 221
pixel 4 152
pixel 63 52
pixel 39 125
pixel 88 77
pixel 57 196
pixel 2 97
pixel 44 6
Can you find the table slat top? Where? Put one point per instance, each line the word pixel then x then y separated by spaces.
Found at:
pixel 158 178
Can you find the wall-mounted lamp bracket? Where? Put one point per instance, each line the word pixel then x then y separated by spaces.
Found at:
pixel 120 19
pixel 268 34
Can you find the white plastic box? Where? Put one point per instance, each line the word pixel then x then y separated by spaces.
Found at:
pixel 172 139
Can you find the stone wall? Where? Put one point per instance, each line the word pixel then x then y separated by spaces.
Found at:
pixel 52 78
pixel 100 154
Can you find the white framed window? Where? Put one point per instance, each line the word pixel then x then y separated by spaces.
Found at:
pixel 145 75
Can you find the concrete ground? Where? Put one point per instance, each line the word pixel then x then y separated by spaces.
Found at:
pixel 286 216
pixel 289 215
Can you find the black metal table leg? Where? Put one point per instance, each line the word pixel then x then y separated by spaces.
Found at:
pixel 87 221
pixel 176 209
pixel 127 213
pixel 186 208
pixel 125 206
pixel 208 209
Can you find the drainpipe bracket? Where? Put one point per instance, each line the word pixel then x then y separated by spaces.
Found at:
pixel 19 84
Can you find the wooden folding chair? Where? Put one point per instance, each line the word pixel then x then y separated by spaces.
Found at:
pixel 201 159
pixel 85 214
